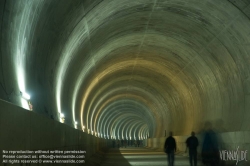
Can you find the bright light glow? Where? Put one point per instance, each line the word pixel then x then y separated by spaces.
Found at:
pixel 83 128
pixel 25 104
pixel 76 124
pixel 62 118
pixel 62 115
pixel 23 21
pixel 25 95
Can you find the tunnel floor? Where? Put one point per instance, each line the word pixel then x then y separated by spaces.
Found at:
pixel 141 156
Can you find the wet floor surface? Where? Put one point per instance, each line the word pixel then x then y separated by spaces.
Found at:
pixel 142 157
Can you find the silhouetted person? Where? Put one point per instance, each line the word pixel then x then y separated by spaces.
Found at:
pixel 118 143
pixel 122 143
pixel 125 143
pixel 138 143
pixel 210 149
pixel 192 143
pixel 113 142
pixel 170 148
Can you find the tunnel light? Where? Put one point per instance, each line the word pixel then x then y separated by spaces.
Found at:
pixel 25 95
pixel 30 105
pixel 76 124
pixel 62 115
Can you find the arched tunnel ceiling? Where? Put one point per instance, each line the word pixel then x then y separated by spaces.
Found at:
pixel 129 68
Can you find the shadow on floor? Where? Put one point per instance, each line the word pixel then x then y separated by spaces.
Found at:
pixel 114 157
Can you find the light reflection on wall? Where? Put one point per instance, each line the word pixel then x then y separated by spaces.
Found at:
pixel 25 104
pixel 22 31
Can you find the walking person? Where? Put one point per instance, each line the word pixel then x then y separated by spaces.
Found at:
pixel 113 142
pixel 138 143
pixel 122 143
pixel 118 143
pixel 210 148
pixel 125 143
pixel 170 148
pixel 192 143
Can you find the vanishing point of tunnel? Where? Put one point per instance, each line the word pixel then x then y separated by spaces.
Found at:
pixel 128 69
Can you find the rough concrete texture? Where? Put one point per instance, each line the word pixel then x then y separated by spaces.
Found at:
pixel 26 130
pixel 129 68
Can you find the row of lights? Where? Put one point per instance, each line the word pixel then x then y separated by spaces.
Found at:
pixel 62 119
pixel 26 96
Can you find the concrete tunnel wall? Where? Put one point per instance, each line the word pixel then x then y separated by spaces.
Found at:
pixel 27 130
pixel 165 65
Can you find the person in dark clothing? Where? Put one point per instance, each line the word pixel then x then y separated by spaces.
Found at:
pixel 138 143
pixel 170 148
pixel 113 142
pixel 192 143
pixel 118 143
pixel 122 143
pixel 210 148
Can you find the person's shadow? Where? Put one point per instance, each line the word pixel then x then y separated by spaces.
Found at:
pixel 114 157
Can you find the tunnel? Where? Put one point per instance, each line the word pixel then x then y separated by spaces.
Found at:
pixel 77 74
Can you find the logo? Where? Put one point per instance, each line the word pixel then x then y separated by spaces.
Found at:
pixel 234 155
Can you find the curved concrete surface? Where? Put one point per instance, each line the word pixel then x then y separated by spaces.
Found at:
pixel 130 68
